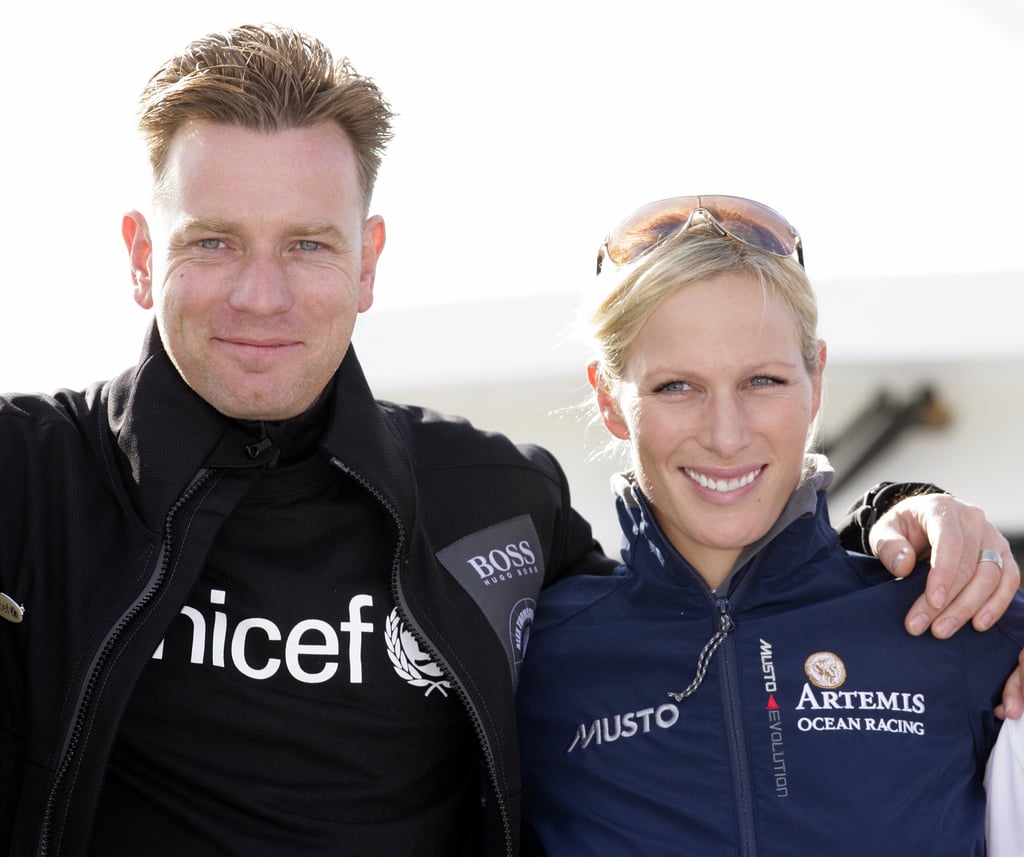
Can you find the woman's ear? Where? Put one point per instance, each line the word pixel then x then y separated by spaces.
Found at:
pixel 606 402
pixel 816 380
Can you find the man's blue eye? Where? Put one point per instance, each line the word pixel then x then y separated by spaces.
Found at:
pixel 309 245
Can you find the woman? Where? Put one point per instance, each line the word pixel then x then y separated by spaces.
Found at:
pixel 742 685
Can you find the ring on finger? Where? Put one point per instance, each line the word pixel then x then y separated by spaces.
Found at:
pixel 991 556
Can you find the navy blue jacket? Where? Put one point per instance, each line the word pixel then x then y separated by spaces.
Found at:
pixel 820 727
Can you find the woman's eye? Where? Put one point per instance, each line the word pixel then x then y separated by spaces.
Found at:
pixel 673 387
pixel 765 381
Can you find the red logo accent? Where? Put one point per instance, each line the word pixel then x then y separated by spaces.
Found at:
pixel 772 704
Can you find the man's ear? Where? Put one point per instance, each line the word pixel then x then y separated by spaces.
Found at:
pixel 135 232
pixel 374 236
pixel 606 402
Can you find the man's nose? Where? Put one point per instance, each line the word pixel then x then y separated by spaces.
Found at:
pixel 262 287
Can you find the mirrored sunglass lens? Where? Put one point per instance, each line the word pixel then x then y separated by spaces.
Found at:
pixel 752 223
pixel 627 247
pixel 760 236
pixel 647 226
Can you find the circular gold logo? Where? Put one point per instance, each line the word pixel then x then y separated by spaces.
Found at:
pixel 825 670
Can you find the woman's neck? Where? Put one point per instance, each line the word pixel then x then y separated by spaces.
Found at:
pixel 714 566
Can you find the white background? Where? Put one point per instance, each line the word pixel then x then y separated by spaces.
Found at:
pixel 886 130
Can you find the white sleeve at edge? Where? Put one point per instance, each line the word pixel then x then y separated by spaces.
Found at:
pixel 1004 784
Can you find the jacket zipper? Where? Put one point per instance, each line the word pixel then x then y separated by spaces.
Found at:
pixel 734 715
pixel 85 696
pixel 737 741
pixel 424 641
pixel 730 691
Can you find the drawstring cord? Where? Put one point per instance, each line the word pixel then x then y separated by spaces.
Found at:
pixel 703 661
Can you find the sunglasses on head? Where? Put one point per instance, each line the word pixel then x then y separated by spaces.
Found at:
pixel 741 219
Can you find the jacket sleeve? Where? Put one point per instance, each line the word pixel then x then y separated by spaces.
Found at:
pixel 575 550
pixel 855 527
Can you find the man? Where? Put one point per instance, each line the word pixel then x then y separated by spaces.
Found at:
pixel 250 609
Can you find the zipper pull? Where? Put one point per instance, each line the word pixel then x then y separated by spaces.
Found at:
pixel 263 451
pixel 725 625
pixel 725 620
pixel 255 450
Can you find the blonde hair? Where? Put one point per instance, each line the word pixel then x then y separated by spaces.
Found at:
pixel 265 78
pixel 630 293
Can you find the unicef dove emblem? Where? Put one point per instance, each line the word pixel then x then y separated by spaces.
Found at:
pixel 410 661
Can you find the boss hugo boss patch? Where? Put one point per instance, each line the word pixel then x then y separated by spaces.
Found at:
pixel 502 569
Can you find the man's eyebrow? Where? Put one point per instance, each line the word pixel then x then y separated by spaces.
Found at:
pixel 321 229
pixel 191 225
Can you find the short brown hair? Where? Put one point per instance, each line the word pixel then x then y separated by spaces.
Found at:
pixel 266 78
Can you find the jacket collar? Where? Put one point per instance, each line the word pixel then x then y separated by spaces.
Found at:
pixel 364 438
pixel 165 434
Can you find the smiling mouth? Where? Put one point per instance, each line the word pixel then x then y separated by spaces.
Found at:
pixel 723 486
pixel 252 343
pixel 248 349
